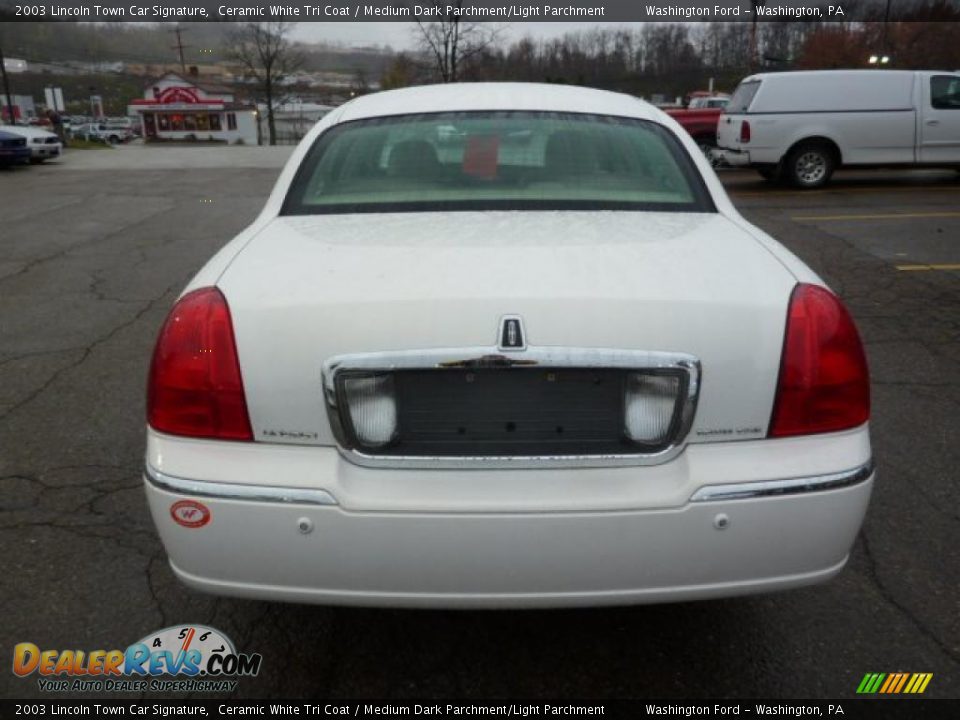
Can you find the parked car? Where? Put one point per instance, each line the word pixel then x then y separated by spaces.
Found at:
pixel 701 124
pixel 711 101
pixel 556 372
pixel 127 128
pixel 102 132
pixel 13 149
pixel 43 144
pixel 801 126
pixel 124 132
pixel 86 131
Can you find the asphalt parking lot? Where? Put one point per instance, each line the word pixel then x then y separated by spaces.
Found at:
pixel 93 251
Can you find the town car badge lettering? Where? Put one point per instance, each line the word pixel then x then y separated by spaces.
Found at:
pixel 200 658
pixel 190 513
pixel 511 333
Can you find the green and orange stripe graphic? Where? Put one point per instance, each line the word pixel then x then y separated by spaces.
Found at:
pixel 894 683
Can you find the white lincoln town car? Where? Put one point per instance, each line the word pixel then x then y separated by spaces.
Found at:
pixel 498 345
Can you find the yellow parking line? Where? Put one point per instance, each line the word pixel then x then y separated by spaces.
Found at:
pixel 934 266
pixel 877 216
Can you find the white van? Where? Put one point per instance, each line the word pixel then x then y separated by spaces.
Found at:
pixel 801 126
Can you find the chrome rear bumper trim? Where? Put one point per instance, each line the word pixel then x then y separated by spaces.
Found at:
pixel 791 486
pixel 309 496
pixel 234 491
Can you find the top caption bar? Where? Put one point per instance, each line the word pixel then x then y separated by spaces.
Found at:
pixel 483 10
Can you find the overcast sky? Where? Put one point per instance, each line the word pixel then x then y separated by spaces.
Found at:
pixel 400 35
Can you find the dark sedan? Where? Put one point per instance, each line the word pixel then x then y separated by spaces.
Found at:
pixel 13 150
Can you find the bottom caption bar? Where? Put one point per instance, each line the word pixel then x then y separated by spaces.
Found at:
pixel 852 709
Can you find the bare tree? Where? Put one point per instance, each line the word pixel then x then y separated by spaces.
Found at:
pixel 451 42
pixel 267 55
pixel 401 72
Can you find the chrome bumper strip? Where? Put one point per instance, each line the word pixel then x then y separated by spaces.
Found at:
pixel 234 491
pixel 309 496
pixel 792 486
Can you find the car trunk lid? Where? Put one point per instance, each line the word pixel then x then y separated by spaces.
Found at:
pixel 310 288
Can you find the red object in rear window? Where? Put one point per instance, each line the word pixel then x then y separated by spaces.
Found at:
pixel 824 382
pixel 480 156
pixel 744 132
pixel 195 388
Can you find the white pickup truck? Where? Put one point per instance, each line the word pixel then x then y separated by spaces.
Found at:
pixel 801 126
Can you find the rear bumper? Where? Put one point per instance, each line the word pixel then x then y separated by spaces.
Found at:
pixel 736 158
pixel 299 545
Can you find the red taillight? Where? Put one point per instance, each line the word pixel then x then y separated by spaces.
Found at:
pixel 824 383
pixel 195 387
pixel 744 132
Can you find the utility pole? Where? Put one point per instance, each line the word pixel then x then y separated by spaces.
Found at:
pixel 180 47
pixel 6 88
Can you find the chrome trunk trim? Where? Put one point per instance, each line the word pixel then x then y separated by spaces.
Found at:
pixel 493 357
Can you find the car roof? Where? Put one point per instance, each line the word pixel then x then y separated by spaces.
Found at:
pixel 826 73
pixel 496 96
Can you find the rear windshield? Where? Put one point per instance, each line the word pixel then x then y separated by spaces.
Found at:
pixel 496 160
pixel 742 96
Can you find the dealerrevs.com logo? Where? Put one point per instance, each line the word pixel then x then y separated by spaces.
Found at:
pixel 186 658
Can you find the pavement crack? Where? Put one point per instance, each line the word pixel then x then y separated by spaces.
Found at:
pixel 36 354
pixel 36 262
pixel 88 350
pixel 889 598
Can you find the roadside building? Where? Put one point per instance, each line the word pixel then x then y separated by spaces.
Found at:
pixel 178 108
pixel 24 108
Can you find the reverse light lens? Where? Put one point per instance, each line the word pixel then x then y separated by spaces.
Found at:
pixel 373 408
pixel 649 406
pixel 824 382
pixel 195 388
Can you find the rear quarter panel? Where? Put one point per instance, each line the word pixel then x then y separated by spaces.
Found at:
pixel 862 137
